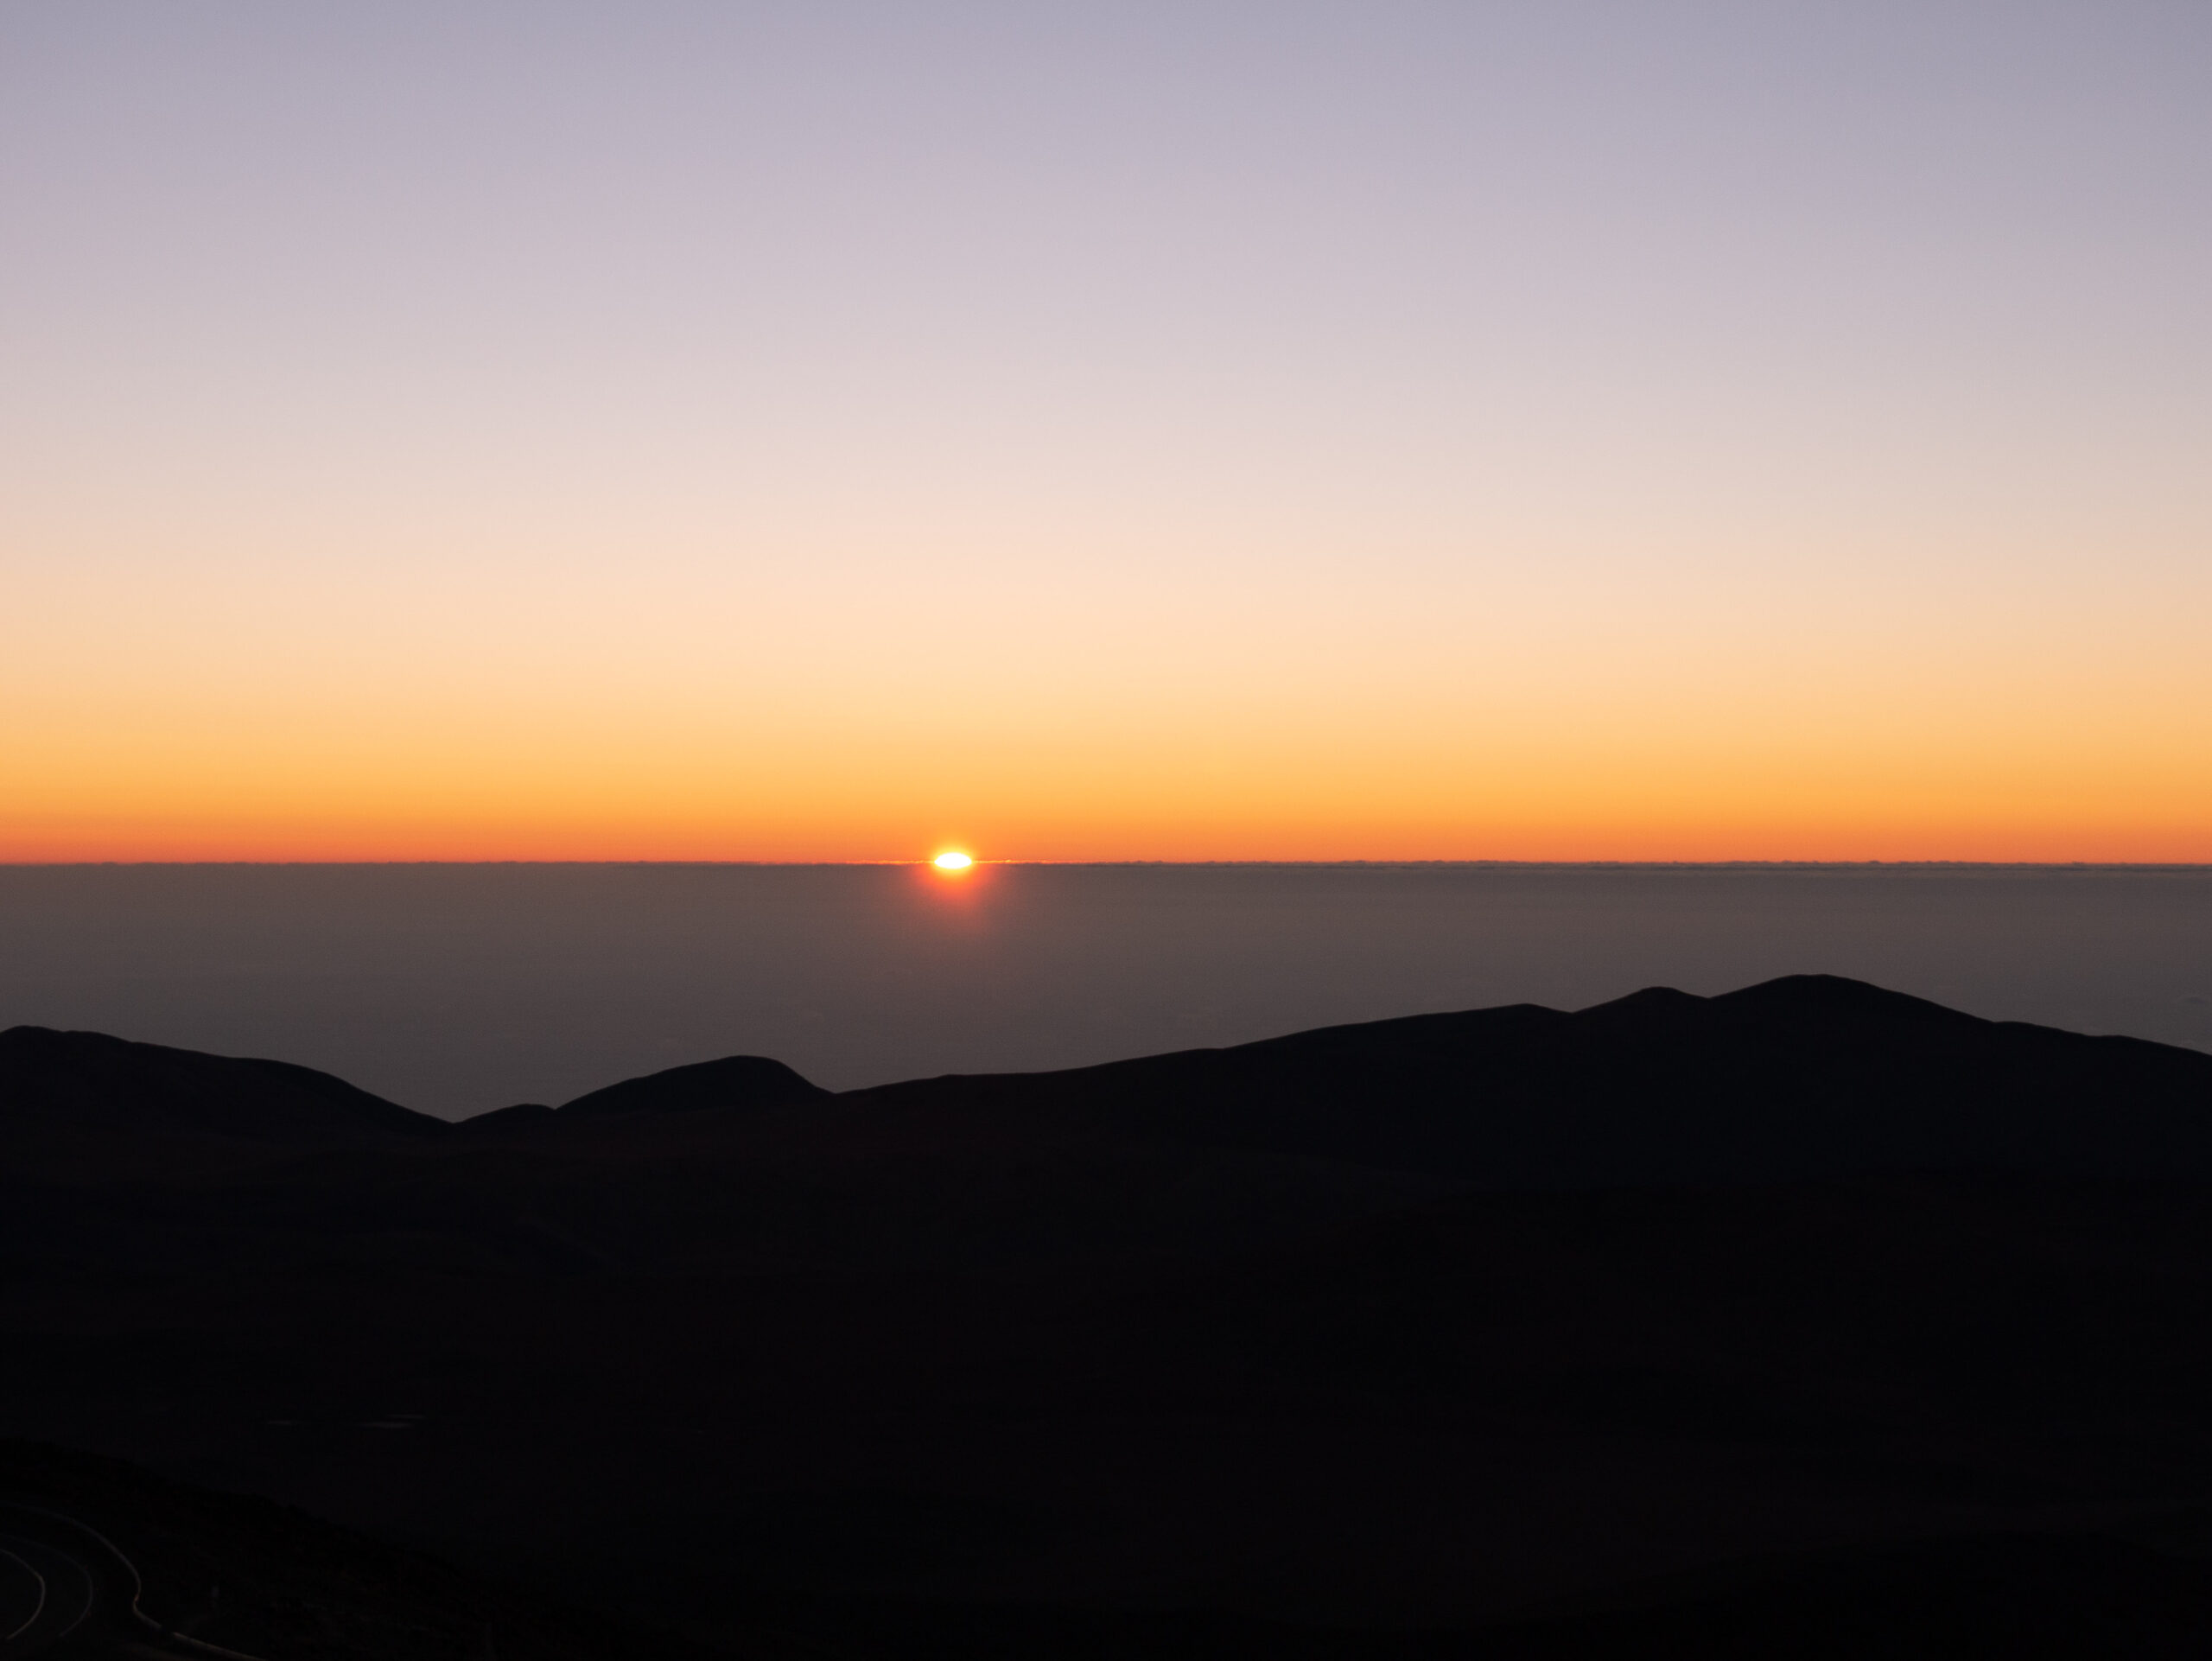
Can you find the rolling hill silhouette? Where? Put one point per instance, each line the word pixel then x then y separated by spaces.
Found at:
pixel 1811 1317
pixel 1811 1075
pixel 1806 1076
pixel 101 1105
pixel 735 1082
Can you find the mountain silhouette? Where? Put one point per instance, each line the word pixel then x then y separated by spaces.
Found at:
pixel 1806 1076
pixel 735 1082
pixel 1802 1077
pixel 99 1104
pixel 1807 1318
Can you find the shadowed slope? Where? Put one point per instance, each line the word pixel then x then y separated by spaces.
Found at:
pixel 735 1081
pixel 1009 1365
pixel 1808 1076
pixel 89 1104
pixel 1805 1077
pixel 741 1162
pixel 258 1580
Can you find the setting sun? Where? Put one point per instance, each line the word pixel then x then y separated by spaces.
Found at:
pixel 953 862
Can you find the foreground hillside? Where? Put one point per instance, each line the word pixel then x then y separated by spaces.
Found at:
pixel 170 1568
pixel 1809 1316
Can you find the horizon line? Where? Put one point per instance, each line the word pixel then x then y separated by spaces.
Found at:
pixel 925 860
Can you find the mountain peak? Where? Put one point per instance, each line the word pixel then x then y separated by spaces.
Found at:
pixel 734 1081
pixel 151 1104
pixel 1835 995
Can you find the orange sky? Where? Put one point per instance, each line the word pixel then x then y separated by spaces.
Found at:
pixel 685 706
pixel 1318 440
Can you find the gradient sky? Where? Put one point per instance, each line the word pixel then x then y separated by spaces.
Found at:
pixel 1132 430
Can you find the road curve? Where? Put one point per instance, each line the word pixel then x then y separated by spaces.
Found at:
pixel 18 1572
pixel 83 1578
pixel 66 1594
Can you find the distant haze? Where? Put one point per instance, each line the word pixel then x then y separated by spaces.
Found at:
pixel 459 988
pixel 1397 429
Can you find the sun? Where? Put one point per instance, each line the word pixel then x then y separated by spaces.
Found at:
pixel 952 862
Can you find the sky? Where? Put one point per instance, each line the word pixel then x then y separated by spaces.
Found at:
pixel 1133 431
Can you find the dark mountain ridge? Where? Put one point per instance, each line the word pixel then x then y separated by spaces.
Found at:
pixel 735 1083
pixel 1811 1313
pixel 91 1106
pixel 1804 1077
pixel 1808 1076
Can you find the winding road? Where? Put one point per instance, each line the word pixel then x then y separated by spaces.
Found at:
pixel 49 1591
pixel 62 1580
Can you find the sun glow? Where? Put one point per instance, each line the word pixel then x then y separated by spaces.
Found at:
pixel 952 862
